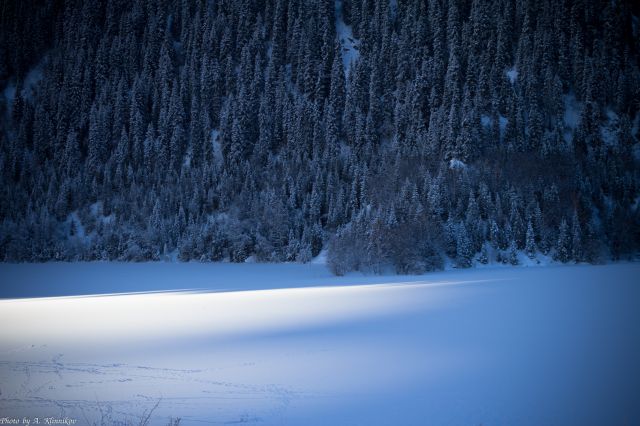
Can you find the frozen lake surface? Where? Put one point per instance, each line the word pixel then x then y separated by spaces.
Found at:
pixel 291 344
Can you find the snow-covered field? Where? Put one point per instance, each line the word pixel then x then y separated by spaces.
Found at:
pixel 290 344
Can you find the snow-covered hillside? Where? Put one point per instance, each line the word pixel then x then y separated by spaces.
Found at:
pixel 495 346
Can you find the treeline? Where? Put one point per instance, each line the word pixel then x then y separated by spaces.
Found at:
pixel 395 133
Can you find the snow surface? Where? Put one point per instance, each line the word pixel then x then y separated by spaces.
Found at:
pixel 554 345
pixel 321 258
pixel 512 74
pixel 503 121
pixel 393 7
pixel 455 164
pixel 350 51
pixel 485 120
pixel 9 93
pixel 572 111
pixel 29 84
pixel 32 79
pixel 217 147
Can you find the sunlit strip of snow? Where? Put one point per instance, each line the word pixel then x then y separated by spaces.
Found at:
pixel 154 315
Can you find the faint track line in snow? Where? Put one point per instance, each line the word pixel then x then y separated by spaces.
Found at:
pixel 100 377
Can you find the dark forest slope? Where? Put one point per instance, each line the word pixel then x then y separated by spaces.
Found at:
pixel 393 132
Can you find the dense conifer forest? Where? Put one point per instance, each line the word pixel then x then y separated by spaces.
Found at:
pixel 401 134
